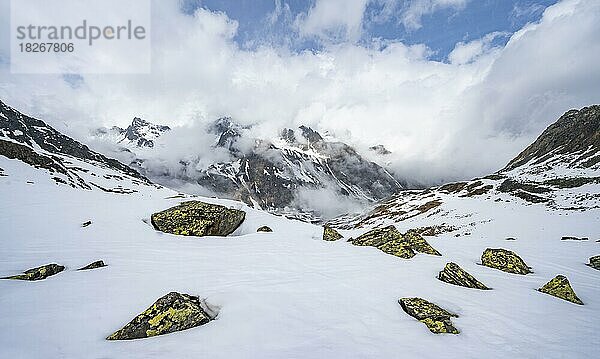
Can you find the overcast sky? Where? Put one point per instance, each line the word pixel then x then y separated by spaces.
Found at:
pixel 455 88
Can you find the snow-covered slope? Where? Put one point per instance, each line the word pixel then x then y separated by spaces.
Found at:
pixel 288 294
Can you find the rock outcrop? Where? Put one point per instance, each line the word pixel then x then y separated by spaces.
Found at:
pixel 195 218
pixel 504 260
pixel 438 320
pixel 571 238
pixel 330 234
pixel 171 313
pixel 391 241
pixel 39 273
pixel 595 262
pixel 95 265
pixel 453 274
pixel 560 287
pixel 265 229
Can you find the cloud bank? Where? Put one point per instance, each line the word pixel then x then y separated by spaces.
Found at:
pixel 449 120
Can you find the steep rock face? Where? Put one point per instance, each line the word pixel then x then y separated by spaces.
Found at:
pixel 438 320
pixel 195 218
pixel 575 132
pixel 273 172
pixel 453 274
pixel 170 313
pixel 39 273
pixel 504 260
pixel 560 287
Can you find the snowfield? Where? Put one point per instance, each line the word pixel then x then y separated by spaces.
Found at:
pixel 285 294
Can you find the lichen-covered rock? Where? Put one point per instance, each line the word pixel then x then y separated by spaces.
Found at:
pixel 172 313
pixel 195 218
pixel 438 320
pixel 454 274
pixel 95 265
pixel 330 234
pixel 265 229
pixel 595 262
pixel 39 273
pixel 391 241
pixel 378 237
pixel 399 248
pixel 560 287
pixel 419 244
pixel 504 260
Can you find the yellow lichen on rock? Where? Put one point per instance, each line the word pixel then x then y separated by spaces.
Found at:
pixel 504 260
pixel 560 287
pixel 454 274
pixel 38 273
pixel 195 218
pixel 330 234
pixel 391 241
pixel 173 312
pixel 437 320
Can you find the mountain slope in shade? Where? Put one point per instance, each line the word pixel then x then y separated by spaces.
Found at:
pixel 66 160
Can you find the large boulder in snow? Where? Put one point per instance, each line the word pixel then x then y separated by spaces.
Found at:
pixel 438 320
pixel 391 241
pixel 595 262
pixel 330 234
pixel 560 287
pixel 39 273
pixel 504 260
pixel 171 313
pixel 195 218
pixel 454 274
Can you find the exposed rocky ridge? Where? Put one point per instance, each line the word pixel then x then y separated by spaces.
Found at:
pixel 271 174
pixel 67 161
pixel 560 170
pixel 140 133
pixel 37 134
pixel 577 132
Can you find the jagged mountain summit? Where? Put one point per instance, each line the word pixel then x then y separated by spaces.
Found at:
pixel 274 174
pixel 560 171
pixel 282 175
pixel 67 161
pixel 140 133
